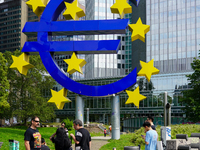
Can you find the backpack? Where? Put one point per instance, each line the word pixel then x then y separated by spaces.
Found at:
pixel 67 142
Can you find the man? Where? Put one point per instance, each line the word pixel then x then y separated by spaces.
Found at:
pixel 151 137
pixel 43 146
pixel 150 120
pixel 82 138
pixel 32 137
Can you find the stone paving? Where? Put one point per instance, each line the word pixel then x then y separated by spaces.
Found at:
pixel 97 142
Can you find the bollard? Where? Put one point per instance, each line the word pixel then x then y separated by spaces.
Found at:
pixel 195 135
pixel 14 145
pixel 195 145
pixel 182 136
pixel 184 147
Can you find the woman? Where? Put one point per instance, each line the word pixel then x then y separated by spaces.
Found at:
pixel 61 141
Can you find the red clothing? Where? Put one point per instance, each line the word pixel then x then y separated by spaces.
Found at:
pixel 105 131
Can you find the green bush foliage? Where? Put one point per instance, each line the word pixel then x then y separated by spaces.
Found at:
pixel 135 139
pixel 68 124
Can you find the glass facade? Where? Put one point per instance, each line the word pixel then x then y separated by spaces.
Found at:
pixel 104 65
pixel 174 39
pixel 127 47
pixel 60 58
pixel 173 42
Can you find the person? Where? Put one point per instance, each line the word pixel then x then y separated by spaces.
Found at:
pixel 82 137
pixel 150 138
pixel 105 132
pixel 110 128
pixel 32 137
pixel 43 145
pixel 63 126
pixel 61 141
pixel 150 120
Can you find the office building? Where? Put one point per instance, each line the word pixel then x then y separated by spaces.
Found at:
pixel 103 65
pixel 13 16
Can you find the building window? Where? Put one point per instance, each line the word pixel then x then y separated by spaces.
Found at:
pixel 119 66
pixel 123 66
pixel 118 56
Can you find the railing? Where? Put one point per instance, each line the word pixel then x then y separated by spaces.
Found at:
pixel 1 143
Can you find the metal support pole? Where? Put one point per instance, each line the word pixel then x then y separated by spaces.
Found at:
pixel 88 116
pixel 165 110
pixel 115 117
pixel 104 118
pixel 79 109
pixel 169 117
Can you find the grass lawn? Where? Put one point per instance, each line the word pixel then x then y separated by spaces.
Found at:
pixel 135 139
pixel 18 135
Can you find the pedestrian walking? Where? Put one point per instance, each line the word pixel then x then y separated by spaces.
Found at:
pixel 32 137
pixel 105 132
pixel 82 137
pixel 110 128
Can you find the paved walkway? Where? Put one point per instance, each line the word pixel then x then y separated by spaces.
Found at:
pixel 101 138
pixel 97 142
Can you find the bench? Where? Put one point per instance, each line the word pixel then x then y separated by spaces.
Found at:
pixel 1 143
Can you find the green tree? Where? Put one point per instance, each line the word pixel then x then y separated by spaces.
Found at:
pixel 161 98
pixel 27 96
pixel 191 98
pixel 4 87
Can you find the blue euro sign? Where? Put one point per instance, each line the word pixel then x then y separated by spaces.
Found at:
pixel 135 2
pixel 48 26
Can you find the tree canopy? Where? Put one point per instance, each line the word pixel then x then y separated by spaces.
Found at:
pixel 191 98
pixel 4 87
pixel 28 95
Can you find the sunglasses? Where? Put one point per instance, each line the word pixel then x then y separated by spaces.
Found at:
pixel 36 121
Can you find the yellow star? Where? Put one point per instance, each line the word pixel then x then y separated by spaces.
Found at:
pixel 75 64
pixel 148 69
pixel 73 11
pixel 21 63
pixel 121 7
pixel 45 2
pixel 135 97
pixel 37 6
pixel 138 30
pixel 59 98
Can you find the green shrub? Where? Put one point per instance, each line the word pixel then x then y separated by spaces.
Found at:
pixel 68 124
